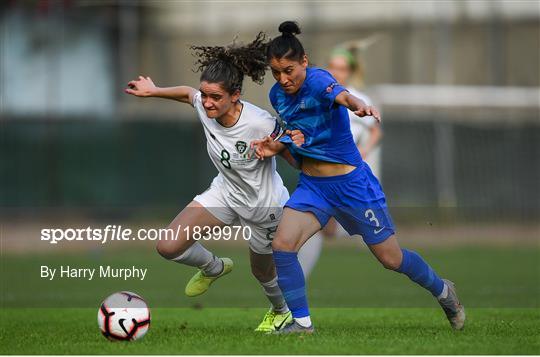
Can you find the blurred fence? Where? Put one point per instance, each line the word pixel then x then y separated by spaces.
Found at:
pixel 111 165
pixel 66 144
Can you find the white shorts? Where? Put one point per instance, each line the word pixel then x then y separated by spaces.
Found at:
pixel 218 202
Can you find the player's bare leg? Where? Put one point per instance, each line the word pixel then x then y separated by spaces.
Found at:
pixel 264 270
pixel 411 264
pixel 186 250
pixel 294 229
pixel 388 253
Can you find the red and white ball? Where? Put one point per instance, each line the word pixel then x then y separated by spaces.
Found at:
pixel 124 316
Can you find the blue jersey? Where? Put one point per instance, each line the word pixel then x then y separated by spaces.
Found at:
pixel 324 123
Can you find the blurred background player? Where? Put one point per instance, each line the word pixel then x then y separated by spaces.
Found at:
pixel 346 66
pixel 245 188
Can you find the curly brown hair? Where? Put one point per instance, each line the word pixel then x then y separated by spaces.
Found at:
pixel 228 64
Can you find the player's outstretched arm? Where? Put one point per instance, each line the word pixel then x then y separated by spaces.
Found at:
pixel 145 87
pixel 357 105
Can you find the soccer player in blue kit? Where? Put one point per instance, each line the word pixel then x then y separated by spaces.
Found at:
pixel 334 181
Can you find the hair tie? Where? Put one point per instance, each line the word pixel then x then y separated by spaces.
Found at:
pixel 343 52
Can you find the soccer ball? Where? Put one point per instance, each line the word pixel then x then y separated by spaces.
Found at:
pixel 124 316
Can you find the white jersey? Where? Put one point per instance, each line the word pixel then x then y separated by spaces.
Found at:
pixel 360 125
pixel 252 185
pixel 360 128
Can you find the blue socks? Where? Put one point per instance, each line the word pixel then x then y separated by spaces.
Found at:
pixel 420 272
pixel 291 282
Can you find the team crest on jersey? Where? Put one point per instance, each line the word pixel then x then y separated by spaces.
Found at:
pixel 330 88
pixel 241 146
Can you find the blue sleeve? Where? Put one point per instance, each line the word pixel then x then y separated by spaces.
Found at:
pixel 325 87
pixel 272 96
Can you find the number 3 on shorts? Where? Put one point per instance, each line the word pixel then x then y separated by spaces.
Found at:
pixel 369 214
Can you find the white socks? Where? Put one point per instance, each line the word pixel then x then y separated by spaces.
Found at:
pixel 310 252
pixel 444 293
pixel 273 293
pixel 200 257
pixel 303 321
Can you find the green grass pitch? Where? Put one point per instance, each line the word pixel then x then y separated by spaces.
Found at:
pixel 229 331
pixel 357 306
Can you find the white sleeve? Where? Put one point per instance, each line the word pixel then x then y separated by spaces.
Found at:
pixel 277 129
pixel 197 101
pixel 367 121
pixel 270 125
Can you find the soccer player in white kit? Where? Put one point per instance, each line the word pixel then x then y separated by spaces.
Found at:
pixel 347 69
pixel 246 189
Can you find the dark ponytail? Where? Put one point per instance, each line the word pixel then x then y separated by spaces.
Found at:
pixel 287 45
pixel 289 28
pixel 228 64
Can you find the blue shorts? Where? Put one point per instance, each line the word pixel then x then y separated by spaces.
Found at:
pixel 355 199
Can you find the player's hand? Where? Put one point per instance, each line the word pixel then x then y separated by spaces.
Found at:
pixel 297 137
pixel 261 147
pixel 142 87
pixel 367 111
